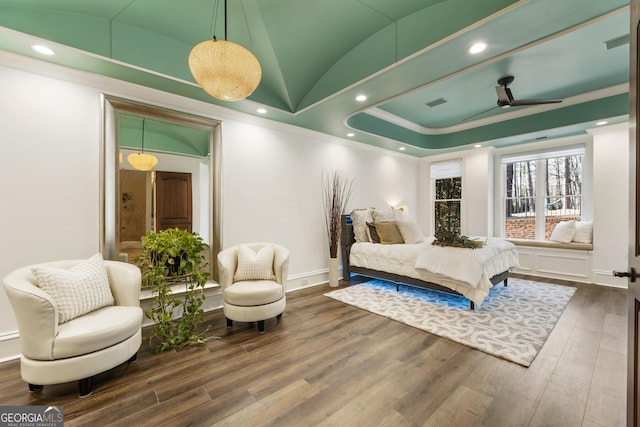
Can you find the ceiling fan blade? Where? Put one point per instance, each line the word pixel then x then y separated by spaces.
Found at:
pixel 521 102
pixel 478 114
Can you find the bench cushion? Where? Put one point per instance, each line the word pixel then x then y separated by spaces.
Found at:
pixel 550 244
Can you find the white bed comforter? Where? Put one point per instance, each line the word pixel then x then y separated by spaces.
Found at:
pixel 468 274
pixel 469 265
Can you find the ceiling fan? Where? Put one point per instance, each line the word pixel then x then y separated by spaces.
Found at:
pixel 506 100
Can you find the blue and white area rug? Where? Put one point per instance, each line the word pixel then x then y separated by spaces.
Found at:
pixel 513 322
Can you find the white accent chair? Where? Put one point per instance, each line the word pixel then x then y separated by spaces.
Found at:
pixel 80 348
pixel 253 300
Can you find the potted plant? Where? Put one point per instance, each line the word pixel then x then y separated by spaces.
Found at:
pixel 336 191
pixel 170 257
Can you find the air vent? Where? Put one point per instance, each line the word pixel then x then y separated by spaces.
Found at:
pixel 436 102
pixel 617 42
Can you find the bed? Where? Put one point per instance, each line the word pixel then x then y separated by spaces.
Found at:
pixel 430 266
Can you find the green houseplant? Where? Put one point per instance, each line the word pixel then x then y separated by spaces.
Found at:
pixel 171 257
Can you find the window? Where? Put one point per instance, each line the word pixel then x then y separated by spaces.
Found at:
pixel 447 190
pixel 541 190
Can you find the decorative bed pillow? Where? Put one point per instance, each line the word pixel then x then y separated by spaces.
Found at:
pixel 563 232
pixel 254 265
pixel 373 233
pixel 410 231
pixel 388 233
pixel 584 232
pixel 390 214
pixel 76 290
pixel 360 217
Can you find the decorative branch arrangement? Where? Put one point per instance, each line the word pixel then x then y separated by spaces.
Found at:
pixel 336 192
pixel 445 237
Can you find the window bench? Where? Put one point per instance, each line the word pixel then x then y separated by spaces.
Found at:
pixel 566 261
pixel 550 244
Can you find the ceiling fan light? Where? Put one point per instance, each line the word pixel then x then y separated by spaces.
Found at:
pixel 142 161
pixel 225 70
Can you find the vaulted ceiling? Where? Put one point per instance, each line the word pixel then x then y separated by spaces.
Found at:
pixel 425 93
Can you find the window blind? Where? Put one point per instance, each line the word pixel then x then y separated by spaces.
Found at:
pixel 446 169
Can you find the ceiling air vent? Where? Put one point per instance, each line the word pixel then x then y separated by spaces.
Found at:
pixel 436 102
pixel 617 42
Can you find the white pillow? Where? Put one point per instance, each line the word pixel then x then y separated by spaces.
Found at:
pixel 563 232
pixel 77 290
pixel 584 232
pixel 410 231
pixel 359 218
pixel 382 215
pixel 254 265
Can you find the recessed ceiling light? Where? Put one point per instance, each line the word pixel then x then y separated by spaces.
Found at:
pixel 477 47
pixel 361 98
pixel 42 49
pixel 350 134
pixel 604 122
pixel 261 110
pixel 402 148
pixel 477 146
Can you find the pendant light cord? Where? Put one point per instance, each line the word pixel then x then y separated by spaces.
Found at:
pixel 142 150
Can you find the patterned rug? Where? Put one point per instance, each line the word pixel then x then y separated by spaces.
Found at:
pixel 513 322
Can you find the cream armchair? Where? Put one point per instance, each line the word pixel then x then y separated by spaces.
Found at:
pixel 251 297
pixel 87 345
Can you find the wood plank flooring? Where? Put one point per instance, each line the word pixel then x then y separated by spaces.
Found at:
pixel 329 364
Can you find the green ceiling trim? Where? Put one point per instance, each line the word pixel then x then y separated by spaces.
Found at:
pixel 410 34
pixel 581 113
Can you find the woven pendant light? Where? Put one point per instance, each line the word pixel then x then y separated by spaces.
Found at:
pixel 142 161
pixel 225 70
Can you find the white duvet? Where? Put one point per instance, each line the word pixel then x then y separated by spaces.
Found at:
pixel 469 265
pixel 466 271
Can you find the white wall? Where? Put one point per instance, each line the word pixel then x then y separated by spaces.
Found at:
pixel 610 202
pixel 271 174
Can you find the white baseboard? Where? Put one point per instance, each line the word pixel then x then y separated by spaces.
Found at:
pixel 9 346
pixel 606 278
pixel 307 280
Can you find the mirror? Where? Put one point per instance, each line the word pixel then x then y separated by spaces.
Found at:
pixel 182 190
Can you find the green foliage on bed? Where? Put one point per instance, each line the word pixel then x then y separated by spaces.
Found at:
pixel 444 237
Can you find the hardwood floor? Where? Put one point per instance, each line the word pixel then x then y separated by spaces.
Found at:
pixel 329 364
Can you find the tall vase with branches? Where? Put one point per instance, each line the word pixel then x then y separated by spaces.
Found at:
pixel 337 189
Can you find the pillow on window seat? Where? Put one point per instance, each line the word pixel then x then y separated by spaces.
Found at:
pixel 584 232
pixel 563 232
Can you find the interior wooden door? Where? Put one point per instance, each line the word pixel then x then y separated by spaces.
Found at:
pixel 173 201
pixel 633 386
